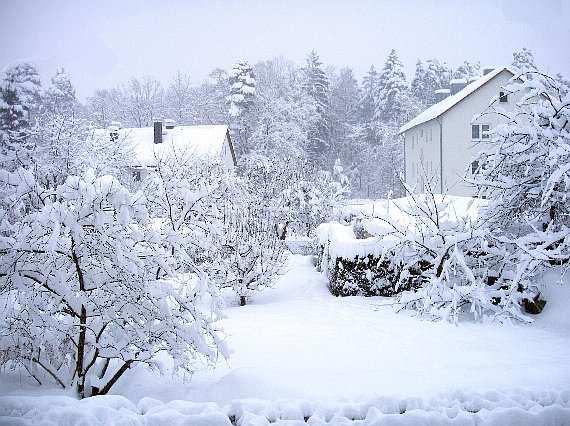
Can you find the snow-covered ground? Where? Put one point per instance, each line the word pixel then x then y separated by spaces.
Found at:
pixel 297 342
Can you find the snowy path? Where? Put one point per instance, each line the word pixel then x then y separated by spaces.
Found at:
pixel 298 341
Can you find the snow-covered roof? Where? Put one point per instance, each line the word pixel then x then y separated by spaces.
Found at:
pixel 200 141
pixel 436 110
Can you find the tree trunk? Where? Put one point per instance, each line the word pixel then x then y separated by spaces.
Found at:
pixel 242 301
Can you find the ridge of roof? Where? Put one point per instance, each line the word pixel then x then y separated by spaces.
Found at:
pixel 446 104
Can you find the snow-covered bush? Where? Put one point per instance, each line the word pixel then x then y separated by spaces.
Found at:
pixel 251 254
pixel 525 173
pixel 439 262
pixel 90 289
pixel 297 195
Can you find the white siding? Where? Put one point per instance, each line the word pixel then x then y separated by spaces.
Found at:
pixel 458 149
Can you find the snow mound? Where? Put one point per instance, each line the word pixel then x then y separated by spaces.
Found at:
pixel 460 408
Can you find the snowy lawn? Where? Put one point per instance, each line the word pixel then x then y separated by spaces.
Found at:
pixel 298 342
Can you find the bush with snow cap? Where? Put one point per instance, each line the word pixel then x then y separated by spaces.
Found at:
pixel 84 297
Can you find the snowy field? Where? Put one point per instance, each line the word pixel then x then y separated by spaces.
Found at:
pixel 312 354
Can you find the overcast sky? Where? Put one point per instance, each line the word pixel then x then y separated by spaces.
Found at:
pixel 103 43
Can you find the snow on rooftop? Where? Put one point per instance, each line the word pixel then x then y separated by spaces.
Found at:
pixel 197 141
pixel 436 110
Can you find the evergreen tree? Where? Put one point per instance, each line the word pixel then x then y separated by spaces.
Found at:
pixel 428 78
pixel 241 100
pixel 19 100
pixel 60 96
pixel 367 104
pixel 242 89
pixel 392 103
pixel 344 113
pixel 316 85
pixel 418 88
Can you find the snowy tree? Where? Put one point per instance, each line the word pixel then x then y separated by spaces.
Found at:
pixel 240 101
pixel 316 84
pixel 392 101
pixel 19 100
pixel 242 89
pixel 251 254
pixel 526 172
pixel 60 96
pixel 144 101
pixel 418 85
pixel 94 291
pixel 523 60
pixel 344 106
pixel 367 104
pixel 179 99
pixel 429 78
pixel 467 70
pixel 60 135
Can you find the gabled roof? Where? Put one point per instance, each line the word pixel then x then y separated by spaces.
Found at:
pixel 198 141
pixel 438 109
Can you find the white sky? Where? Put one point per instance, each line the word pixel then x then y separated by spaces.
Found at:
pixel 103 43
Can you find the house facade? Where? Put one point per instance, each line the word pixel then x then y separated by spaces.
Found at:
pixel 441 143
pixel 164 140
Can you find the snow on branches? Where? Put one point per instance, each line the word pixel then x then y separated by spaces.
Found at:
pixel 525 172
pixel 83 297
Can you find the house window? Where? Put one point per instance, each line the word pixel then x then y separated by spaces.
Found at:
pixel 503 97
pixel 137 175
pixel 475 132
pixel 474 167
pixel 480 132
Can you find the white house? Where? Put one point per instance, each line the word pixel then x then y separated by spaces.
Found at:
pixel 441 142
pixel 152 144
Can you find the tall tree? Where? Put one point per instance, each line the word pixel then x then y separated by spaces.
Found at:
pixel 316 84
pixel 20 98
pixel 241 100
pixel 344 114
pixel 179 98
pixel 430 77
pixel 392 95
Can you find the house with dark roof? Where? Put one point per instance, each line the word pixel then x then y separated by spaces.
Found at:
pixel 440 144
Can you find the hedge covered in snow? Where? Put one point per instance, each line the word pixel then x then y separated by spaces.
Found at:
pixel 433 253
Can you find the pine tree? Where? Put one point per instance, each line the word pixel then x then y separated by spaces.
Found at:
pixel 428 78
pixel 60 96
pixel 418 83
pixel 523 60
pixel 242 90
pixel 19 100
pixel 316 85
pixel 392 95
pixel 344 113
pixel 241 101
